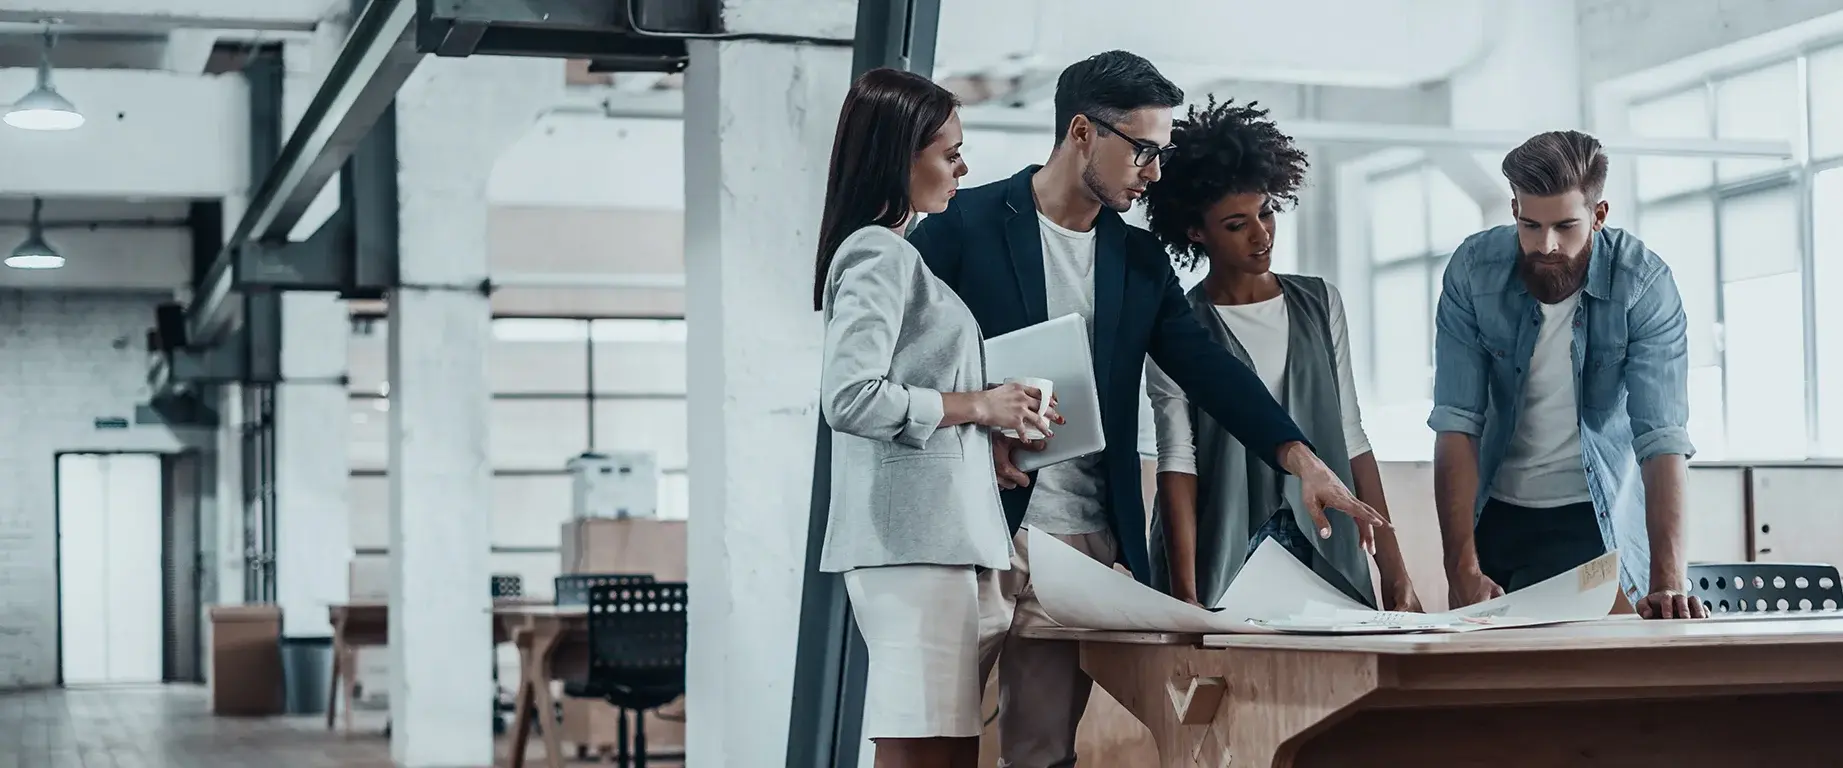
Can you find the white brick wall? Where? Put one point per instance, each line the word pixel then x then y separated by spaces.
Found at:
pixel 65 359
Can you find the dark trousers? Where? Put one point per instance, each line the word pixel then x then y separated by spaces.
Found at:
pixel 1519 546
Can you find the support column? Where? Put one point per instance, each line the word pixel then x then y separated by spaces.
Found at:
pixel 454 117
pixel 313 541
pixel 759 120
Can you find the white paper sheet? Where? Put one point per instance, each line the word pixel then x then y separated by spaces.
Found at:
pixel 1274 592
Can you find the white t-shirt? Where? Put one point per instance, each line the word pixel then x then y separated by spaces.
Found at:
pixel 1543 467
pixel 1263 328
pixel 1067 496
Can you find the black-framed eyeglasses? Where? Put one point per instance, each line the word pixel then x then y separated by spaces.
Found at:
pixel 1144 152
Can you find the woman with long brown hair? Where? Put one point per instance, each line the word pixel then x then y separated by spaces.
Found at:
pixel 915 523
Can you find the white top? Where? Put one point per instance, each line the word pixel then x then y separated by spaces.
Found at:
pixel 1263 329
pixel 1543 466
pixel 1067 496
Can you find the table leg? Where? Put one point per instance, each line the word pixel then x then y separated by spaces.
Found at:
pixel 521 701
pixel 332 690
pixel 350 680
pixel 537 668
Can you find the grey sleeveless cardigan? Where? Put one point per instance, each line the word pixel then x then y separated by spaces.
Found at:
pixel 1236 492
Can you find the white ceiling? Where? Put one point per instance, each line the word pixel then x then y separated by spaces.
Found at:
pixel 1374 43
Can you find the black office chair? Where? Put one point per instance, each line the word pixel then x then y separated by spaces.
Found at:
pixel 1766 587
pixel 573 588
pixel 636 656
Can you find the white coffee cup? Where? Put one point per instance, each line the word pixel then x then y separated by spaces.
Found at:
pixel 1046 388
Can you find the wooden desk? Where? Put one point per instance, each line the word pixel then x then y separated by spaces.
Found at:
pixel 366 624
pixel 553 644
pixel 1622 692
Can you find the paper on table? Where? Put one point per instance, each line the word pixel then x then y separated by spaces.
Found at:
pixel 1583 593
pixel 1275 592
pixel 1077 591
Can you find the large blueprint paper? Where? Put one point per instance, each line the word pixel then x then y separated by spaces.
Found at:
pixel 1274 592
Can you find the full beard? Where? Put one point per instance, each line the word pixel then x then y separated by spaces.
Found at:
pixel 1552 278
pixel 1119 202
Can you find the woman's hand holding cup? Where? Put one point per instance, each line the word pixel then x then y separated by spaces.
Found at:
pixel 1022 408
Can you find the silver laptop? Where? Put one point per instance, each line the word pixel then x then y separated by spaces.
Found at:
pixel 1056 350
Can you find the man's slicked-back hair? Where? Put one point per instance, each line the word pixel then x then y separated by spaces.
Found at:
pixel 1108 86
pixel 1556 163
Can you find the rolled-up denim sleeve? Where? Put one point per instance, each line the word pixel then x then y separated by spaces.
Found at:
pixel 1460 364
pixel 1657 370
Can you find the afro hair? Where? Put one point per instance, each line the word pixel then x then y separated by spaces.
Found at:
pixel 1221 149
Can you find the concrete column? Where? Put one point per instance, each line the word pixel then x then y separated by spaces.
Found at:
pixel 313 542
pixel 759 119
pixel 454 117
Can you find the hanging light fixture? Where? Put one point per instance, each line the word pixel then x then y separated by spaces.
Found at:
pixel 44 109
pixel 35 253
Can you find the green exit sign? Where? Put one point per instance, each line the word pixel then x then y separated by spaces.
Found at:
pixel 111 422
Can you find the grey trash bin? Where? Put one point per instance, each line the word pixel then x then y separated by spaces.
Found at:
pixel 307 674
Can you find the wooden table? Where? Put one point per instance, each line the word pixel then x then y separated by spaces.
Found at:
pixel 366 624
pixel 553 644
pixel 1618 692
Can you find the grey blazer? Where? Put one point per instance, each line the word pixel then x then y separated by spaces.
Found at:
pixel 904 490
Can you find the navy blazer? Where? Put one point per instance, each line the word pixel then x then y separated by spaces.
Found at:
pixel 987 245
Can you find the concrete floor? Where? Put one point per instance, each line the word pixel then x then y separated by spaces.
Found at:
pixel 172 727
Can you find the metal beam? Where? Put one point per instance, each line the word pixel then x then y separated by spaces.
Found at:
pixel 378 57
pixel 1013 120
pixel 573 29
pixel 825 724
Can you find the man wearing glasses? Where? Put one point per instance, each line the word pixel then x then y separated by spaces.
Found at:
pixel 1050 241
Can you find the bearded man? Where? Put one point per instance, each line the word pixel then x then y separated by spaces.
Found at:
pixel 1561 393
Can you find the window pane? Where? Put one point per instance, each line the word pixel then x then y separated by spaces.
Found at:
pixel 1766 368
pixel 1682 233
pixel 1827 196
pixel 1707 428
pixel 1762 104
pixel 1681 116
pixel 1403 334
pixel 639 356
pixel 537 570
pixel 368 356
pixel 539 355
pixel 1286 242
pixel 675 496
pixel 643 425
pixel 1436 283
pixel 368 498
pixel 1759 235
pixel 537 434
pixel 1397 216
pixel 530 510
pixel 1826 73
pixel 368 438
pixel 1456 216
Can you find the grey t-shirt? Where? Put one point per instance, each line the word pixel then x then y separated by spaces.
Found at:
pixel 1068 497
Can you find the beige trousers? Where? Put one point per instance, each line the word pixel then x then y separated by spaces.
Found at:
pixel 1042 690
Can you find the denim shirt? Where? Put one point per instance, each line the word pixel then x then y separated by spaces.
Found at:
pixel 1631 371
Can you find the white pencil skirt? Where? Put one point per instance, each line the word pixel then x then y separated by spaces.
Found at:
pixel 927 628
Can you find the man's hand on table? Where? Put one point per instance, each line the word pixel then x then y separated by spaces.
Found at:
pixel 1671 602
pixel 1469 586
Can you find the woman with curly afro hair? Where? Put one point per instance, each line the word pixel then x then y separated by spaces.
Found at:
pixel 1232 170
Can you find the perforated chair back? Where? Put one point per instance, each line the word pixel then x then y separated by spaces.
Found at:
pixel 1766 587
pixel 508 585
pixel 573 589
pixel 637 643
